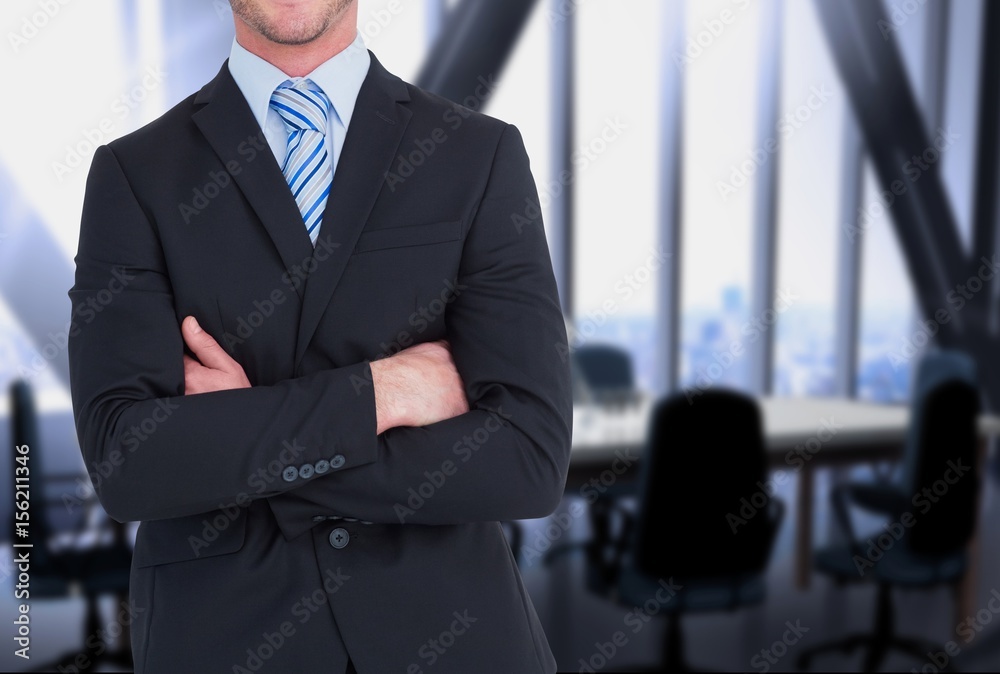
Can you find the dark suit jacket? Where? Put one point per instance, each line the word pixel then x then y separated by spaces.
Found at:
pixel 277 527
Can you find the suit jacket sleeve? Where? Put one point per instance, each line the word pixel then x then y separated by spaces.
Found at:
pixel 507 458
pixel 152 452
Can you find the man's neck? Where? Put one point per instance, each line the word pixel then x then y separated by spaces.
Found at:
pixel 299 60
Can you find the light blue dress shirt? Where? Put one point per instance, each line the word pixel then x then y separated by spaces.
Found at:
pixel 340 78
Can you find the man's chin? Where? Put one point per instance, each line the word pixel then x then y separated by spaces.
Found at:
pixel 293 35
pixel 293 40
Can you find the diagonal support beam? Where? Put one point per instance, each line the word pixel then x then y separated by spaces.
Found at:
pixel 472 47
pixel 902 151
pixel 936 63
pixel 885 107
pixel 436 12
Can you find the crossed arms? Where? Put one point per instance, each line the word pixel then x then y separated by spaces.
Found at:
pixel 500 371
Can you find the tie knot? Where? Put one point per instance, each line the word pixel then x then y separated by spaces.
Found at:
pixel 302 105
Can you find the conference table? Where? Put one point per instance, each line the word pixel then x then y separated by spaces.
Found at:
pixel 802 435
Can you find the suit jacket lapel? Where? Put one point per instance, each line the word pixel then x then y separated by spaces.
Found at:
pixel 375 132
pixel 230 128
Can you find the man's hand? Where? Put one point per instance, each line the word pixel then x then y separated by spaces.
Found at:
pixel 418 386
pixel 213 370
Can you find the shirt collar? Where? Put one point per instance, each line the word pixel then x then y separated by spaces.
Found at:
pixel 340 77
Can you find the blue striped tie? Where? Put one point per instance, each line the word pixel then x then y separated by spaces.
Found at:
pixel 308 167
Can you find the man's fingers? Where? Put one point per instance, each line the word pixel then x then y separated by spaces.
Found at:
pixel 205 348
pixel 191 365
pixel 192 375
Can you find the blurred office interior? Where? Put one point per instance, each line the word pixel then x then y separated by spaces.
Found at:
pixel 774 228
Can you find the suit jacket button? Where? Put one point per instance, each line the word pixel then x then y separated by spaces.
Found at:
pixel 337 461
pixel 289 474
pixel 339 538
pixel 306 470
pixel 322 466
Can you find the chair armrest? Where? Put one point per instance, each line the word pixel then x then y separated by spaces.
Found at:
pixel 873 497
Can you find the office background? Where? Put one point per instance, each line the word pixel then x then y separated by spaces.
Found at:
pixel 717 183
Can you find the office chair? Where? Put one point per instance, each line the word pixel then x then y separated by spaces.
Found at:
pixel 606 372
pixel 931 551
pixel 55 574
pixel 600 374
pixel 702 458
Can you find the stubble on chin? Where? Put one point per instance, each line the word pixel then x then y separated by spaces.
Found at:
pixel 293 31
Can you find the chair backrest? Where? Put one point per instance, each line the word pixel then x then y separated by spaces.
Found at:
pixel 24 431
pixel 705 501
pixel 607 370
pixel 940 474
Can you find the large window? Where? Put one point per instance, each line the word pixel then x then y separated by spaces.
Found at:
pixel 524 98
pixel 619 70
pixel 720 106
pixel 616 160
pixel 886 350
pixel 813 106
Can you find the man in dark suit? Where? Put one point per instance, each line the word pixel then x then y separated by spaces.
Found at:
pixel 315 351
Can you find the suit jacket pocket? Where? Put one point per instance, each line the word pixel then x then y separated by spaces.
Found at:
pixel 410 235
pixel 194 537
